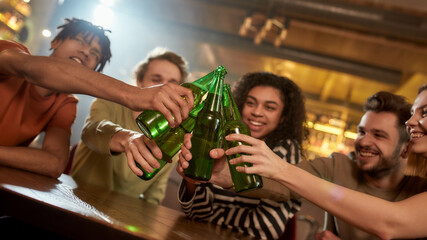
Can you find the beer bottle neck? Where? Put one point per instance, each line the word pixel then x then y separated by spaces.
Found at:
pixel 214 99
pixel 204 82
pixel 230 110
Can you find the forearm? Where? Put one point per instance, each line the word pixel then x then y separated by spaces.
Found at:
pixel 376 216
pixel 33 160
pixel 64 75
pixel 100 127
pixel 120 140
pixel 50 160
pixel 97 135
pixel 271 190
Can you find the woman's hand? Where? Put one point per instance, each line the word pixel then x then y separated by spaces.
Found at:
pixel 184 157
pixel 264 161
pixel 220 171
pixel 221 175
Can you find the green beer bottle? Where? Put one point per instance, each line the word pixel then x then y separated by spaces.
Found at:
pixel 170 142
pixel 206 132
pixel 234 124
pixel 153 123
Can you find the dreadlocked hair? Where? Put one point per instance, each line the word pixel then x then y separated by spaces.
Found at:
pixel 74 27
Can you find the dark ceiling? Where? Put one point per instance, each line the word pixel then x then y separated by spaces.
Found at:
pixel 339 52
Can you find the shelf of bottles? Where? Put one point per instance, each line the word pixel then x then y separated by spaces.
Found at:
pixel 327 135
pixel 12 17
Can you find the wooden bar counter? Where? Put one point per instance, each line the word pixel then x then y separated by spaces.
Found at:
pixel 82 211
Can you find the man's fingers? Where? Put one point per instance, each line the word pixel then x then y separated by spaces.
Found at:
pixel 188 95
pixel 142 155
pixel 132 165
pixel 187 140
pixel 166 113
pixel 154 149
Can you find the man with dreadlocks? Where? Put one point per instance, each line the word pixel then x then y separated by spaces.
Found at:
pixel 34 99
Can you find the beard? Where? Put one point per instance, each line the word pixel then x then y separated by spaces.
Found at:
pixel 385 165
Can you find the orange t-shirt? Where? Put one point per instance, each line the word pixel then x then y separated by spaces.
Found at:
pixel 24 113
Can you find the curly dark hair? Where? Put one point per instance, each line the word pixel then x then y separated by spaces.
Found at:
pixel 294 114
pixel 75 26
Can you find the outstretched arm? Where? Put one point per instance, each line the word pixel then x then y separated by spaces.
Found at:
pixel 385 219
pixel 65 75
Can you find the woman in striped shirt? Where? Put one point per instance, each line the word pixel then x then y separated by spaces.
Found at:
pixel 273 108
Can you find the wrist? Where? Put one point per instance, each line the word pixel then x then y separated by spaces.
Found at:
pixel 229 188
pixel 128 97
pixel 190 189
pixel 283 172
pixel 226 183
pixel 119 141
pixel 223 179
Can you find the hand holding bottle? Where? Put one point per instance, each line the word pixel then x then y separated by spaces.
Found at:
pixel 153 123
pixel 264 161
pixel 168 100
pixel 137 148
pixel 207 130
pixel 234 124
pixel 220 171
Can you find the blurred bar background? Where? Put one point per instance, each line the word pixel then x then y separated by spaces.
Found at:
pixel 338 51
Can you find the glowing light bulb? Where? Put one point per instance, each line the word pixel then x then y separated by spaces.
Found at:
pixel 103 16
pixel 46 33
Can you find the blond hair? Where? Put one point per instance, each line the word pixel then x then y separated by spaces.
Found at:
pixel 164 54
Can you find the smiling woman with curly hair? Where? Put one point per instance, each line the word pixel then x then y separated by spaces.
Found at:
pixel 293 115
pixel 273 108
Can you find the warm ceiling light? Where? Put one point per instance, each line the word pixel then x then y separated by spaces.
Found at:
pixel 328 129
pixel 247 24
pixel 258 39
pixel 46 33
pixel 279 39
pixel 103 16
pixel 350 135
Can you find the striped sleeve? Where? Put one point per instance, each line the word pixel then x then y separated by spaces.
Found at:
pixel 289 151
pixel 261 218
